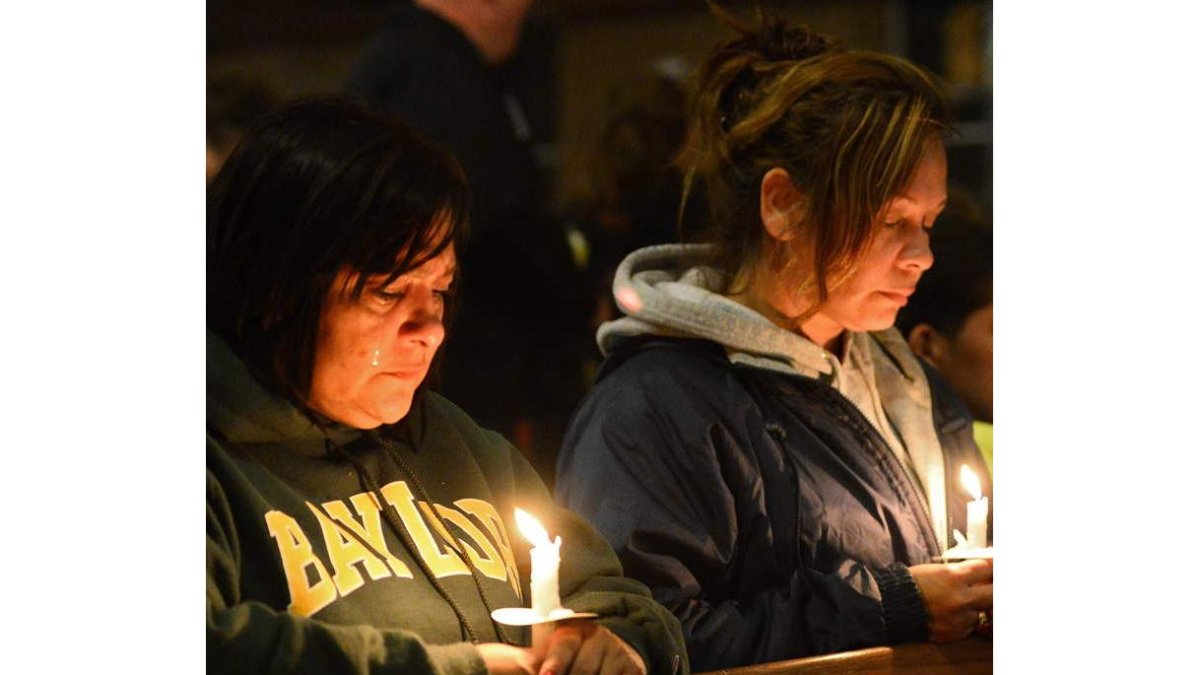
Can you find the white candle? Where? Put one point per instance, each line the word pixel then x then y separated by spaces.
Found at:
pixel 977 510
pixel 543 575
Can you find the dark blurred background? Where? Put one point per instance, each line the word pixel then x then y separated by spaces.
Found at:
pixel 586 61
pixel 600 85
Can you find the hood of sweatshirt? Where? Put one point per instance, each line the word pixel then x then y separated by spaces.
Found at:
pixel 668 290
pixel 241 410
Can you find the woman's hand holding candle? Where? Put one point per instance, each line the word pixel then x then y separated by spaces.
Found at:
pixel 502 659
pixel 565 647
pixel 954 595
pixel 573 648
pixel 584 647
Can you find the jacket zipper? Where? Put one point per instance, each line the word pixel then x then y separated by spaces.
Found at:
pixel 933 545
pixel 836 396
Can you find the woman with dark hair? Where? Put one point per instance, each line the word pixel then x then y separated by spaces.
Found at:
pixel 761 447
pixel 358 522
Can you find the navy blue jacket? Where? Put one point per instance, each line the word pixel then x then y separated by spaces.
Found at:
pixel 761 508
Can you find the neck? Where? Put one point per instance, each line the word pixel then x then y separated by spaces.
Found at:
pixel 757 292
pixel 824 331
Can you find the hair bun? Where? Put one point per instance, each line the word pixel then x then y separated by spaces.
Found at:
pixel 780 42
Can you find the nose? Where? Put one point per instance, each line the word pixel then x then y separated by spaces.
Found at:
pixel 917 255
pixel 424 325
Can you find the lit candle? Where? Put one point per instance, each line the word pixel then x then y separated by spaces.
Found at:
pixel 543 575
pixel 977 510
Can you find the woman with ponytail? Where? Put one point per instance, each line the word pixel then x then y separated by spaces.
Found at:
pixel 761 447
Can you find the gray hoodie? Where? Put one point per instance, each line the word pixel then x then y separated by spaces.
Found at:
pixel 669 291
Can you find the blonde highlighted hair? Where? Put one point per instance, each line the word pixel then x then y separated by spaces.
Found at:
pixel 848 127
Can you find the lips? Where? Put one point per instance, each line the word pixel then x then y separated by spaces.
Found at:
pixel 899 297
pixel 408 372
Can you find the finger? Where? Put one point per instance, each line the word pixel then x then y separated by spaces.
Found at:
pixel 979 596
pixel 975 571
pixel 967 621
pixel 562 649
pixel 615 663
pixel 954 625
pixel 619 658
pixel 501 658
pixel 590 658
pixel 585 627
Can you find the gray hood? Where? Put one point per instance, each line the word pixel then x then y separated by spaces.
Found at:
pixel 667 290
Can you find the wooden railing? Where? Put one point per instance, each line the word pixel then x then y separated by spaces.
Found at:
pixel 967 657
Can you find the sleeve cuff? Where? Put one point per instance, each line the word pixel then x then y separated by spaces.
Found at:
pixel 905 618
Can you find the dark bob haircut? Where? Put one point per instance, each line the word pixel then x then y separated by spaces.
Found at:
pixel 319 186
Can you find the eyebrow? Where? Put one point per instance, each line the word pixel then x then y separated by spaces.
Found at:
pixel 450 273
pixel 910 200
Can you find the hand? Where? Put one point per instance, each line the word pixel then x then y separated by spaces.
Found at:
pixel 955 594
pixel 587 648
pixel 502 659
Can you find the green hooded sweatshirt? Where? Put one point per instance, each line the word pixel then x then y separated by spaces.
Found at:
pixel 307 572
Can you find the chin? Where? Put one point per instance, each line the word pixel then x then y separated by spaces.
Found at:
pixel 870 325
pixel 390 414
pixel 882 321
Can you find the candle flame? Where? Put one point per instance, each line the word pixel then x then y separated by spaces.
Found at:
pixel 531 529
pixel 971 482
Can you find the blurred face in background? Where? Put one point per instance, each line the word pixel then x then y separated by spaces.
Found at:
pixel 964 359
pixel 375 350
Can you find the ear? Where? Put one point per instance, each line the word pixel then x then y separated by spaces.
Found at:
pixel 928 343
pixel 779 202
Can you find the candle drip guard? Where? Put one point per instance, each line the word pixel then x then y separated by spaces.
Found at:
pixel 525 616
pixel 963 551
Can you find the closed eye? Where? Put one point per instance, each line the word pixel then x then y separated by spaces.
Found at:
pixel 388 298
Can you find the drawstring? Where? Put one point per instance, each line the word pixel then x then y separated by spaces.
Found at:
pixel 454 545
pixel 369 484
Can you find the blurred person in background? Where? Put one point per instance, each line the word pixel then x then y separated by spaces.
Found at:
pixel 636 187
pixel 235 101
pixel 356 521
pixel 448 68
pixel 761 447
pixel 948 321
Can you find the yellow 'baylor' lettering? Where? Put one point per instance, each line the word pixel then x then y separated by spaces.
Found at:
pixel 440 563
pixel 486 513
pixel 367 506
pixel 357 544
pixel 347 549
pixel 487 558
pixel 297 555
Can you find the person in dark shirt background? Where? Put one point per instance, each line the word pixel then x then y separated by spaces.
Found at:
pixel 235 101
pixel 447 68
pixel 948 321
